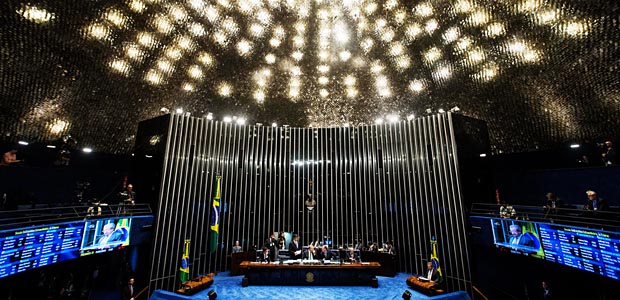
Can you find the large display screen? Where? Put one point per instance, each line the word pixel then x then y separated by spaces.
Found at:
pixel 105 235
pixel 25 249
pixel 591 250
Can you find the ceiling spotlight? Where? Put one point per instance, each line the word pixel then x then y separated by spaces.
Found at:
pixel 346 125
pixel 164 110
pixel 274 124
pixel 179 111
pixel 575 146
pixel 240 121
pixel 227 119
pixel 23 143
pixel 209 116
pixel 429 111
pixel 483 155
pixel 87 150
pixel 378 121
pixel 51 146
pixel 410 117
pixel 441 111
pixel 392 118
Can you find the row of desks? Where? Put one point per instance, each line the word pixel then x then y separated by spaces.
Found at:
pixel 309 274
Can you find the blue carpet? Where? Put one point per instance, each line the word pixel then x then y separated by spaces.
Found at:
pixel 229 287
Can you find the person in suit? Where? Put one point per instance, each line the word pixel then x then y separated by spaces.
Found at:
pixel 552 205
pixel 264 257
pixel 324 253
pixel 110 236
pixel 281 240
pixel 294 248
pixel 594 202
pixel 272 244
pixel 352 256
pixel 517 238
pixel 236 247
pixel 390 248
pixel 128 292
pixel 547 294
pixel 609 156
pixel 431 274
pixel 311 253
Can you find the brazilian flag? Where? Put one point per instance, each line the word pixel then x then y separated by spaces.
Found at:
pixel 215 216
pixel 435 259
pixel 185 264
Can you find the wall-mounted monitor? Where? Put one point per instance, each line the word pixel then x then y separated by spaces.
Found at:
pixel 587 249
pixel 105 235
pixel 28 248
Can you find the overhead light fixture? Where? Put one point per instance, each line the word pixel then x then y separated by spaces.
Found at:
pixel 392 118
pixel 87 150
pixel 483 155
pixel 23 143
pixel 410 117
pixel 179 111
pixel 378 121
pixel 575 146
pixel 209 116
pixel 164 110
pixel 346 125
pixel 274 124
pixel 51 146
pixel 240 121
pixel 227 119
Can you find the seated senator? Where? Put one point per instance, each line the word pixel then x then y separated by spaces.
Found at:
pixel 352 256
pixel 264 257
pixel 310 254
pixel 324 253
pixel 431 275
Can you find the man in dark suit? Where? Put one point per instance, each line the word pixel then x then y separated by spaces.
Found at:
pixel 595 203
pixel 128 292
pixel 264 257
pixel 352 256
pixel 431 274
pixel 272 243
pixel 324 253
pixel 294 248
pixel 111 237
pixel 519 239
pixel 310 254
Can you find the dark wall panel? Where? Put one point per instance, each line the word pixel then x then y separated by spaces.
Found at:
pixel 377 183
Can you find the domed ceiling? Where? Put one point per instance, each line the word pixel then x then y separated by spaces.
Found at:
pixel 540 72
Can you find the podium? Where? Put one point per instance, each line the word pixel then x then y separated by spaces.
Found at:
pixel 195 285
pixel 426 287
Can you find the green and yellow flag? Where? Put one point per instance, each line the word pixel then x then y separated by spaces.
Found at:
pixel 215 216
pixel 185 264
pixel 435 259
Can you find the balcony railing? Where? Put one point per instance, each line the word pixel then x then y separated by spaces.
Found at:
pixel 569 215
pixel 36 216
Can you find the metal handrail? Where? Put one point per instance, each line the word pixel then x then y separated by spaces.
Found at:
pixel 569 216
pixel 37 216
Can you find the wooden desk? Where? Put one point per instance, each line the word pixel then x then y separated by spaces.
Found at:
pixel 310 274
pixel 195 285
pixel 426 287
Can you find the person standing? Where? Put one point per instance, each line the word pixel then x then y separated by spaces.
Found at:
pixel 128 292
pixel 609 156
pixel 236 248
pixel 271 244
pixel 547 294
pixel 294 248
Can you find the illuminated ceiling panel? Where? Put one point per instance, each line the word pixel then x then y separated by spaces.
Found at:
pixel 540 72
